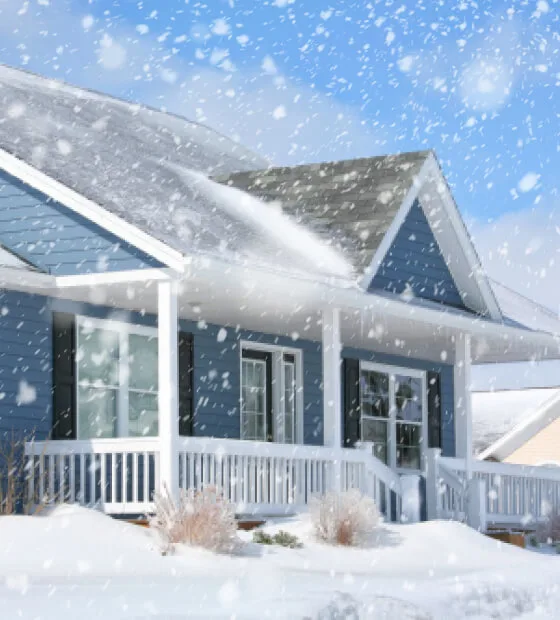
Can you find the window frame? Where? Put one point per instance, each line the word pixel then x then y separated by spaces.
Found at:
pixel 277 380
pixel 123 331
pixel 392 372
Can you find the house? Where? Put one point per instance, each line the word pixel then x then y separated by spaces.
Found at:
pixel 517 426
pixel 175 312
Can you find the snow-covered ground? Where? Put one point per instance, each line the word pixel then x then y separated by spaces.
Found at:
pixel 78 564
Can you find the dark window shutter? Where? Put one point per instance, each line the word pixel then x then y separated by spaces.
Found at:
pixel 434 410
pixel 64 376
pixel 351 370
pixel 185 384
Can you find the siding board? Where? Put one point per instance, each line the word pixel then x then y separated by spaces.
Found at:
pixel 415 261
pixel 56 239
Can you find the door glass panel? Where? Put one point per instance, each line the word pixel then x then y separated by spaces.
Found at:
pixel 409 438
pixel 408 398
pixel 374 394
pixel 253 399
pixel 375 431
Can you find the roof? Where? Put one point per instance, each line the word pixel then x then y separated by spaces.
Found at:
pixel 520 311
pixel 510 415
pixel 13 261
pixel 348 204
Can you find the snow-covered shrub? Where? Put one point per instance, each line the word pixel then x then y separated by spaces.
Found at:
pixel 347 518
pixel 197 518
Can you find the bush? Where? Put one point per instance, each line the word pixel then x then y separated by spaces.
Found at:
pixel 197 518
pixel 282 538
pixel 347 518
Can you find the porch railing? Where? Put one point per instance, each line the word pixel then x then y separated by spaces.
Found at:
pixel 495 494
pixel 121 475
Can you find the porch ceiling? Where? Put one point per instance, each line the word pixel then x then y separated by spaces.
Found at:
pixel 261 302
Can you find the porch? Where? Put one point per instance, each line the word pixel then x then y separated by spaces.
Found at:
pixel 119 476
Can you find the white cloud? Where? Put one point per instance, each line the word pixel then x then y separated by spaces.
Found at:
pixel 486 84
pixel 87 22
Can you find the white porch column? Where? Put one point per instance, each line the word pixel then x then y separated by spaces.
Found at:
pixel 168 377
pixel 463 409
pixel 332 395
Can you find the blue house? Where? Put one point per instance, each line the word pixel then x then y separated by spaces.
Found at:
pixel 175 312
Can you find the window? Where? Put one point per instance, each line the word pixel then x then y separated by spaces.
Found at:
pixel 270 394
pixel 117 374
pixel 393 405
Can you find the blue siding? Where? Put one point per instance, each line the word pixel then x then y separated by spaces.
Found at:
pixel 56 239
pixel 26 354
pixel 446 386
pixel 25 364
pixel 415 260
pixel 217 371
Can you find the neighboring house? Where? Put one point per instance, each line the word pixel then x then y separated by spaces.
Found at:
pixel 517 426
pixel 161 328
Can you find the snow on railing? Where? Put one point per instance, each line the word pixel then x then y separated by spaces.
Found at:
pixel 501 494
pixel 120 475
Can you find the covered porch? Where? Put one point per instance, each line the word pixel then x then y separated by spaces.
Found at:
pixel 120 474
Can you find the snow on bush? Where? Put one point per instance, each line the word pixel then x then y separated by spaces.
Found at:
pixel 347 518
pixel 197 518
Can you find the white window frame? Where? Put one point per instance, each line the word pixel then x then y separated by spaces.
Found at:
pixel 123 330
pixel 278 388
pixel 392 420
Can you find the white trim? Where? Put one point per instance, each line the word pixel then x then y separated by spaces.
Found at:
pixel 391 420
pixel 277 395
pixel 462 237
pixel 118 326
pixel 25 278
pixel 392 231
pixel 112 277
pixel 91 211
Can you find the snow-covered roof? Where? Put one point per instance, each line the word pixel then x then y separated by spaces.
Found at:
pixel 520 311
pixel 349 204
pixel 504 419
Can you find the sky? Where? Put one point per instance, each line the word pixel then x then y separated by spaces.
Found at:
pixel 315 80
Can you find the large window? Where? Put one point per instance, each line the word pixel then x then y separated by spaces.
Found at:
pixel 393 405
pixel 117 374
pixel 271 394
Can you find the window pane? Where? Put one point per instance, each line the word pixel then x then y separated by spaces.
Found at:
pixel 409 437
pixel 97 414
pixel 142 414
pixel 375 394
pixel 97 357
pixel 375 431
pixel 253 404
pixel 143 367
pixel 408 397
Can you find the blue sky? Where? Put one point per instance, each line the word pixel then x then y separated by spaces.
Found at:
pixel 307 80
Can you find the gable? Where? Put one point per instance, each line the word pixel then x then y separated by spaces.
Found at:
pixel 415 262
pixel 58 240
